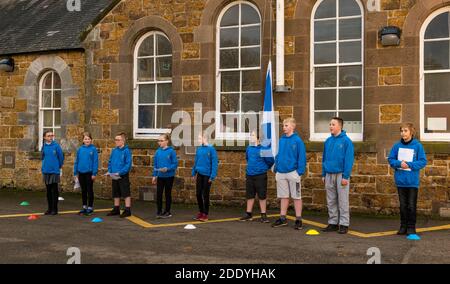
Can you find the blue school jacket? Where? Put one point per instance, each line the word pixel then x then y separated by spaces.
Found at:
pixel 338 155
pixel 86 160
pixel 256 163
pixel 206 162
pixel 165 158
pixel 120 161
pixel 52 158
pixel 291 155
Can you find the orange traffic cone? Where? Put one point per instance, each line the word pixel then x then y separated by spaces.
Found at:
pixel 33 217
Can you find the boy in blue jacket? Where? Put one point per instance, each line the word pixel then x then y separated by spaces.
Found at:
pixel 165 164
pixel 337 163
pixel 290 164
pixel 407 157
pixel 204 172
pixel 52 162
pixel 119 166
pixel 85 169
pixel 256 180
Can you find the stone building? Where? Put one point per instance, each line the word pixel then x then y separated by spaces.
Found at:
pixel 128 65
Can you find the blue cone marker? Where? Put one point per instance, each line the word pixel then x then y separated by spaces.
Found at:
pixel 97 220
pixel 413 237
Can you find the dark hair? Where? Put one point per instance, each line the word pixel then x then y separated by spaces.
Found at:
pixel 123 135
pixel 45 133
pixel 340 120
pixel 87 134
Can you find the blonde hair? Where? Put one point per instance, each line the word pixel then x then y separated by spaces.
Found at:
pixel 410 126
pixel 167 137
pixel 290 120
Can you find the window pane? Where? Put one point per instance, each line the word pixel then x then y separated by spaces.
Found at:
pixel 164 46
pixel 231 17
pixel 146 117
pixel 350 52
pixel 46 99
pixel 250 36
pixel 325 30
pixel 350 29
pixel 250 57
pixel 251 80
pixel 57 117
pixel 350 99
pixel 229 58
pixel 229 122
pixel 146 94
pixel 325 77
pixel 352 121
pixel 229 37
pixel 229 102
pixel 437 118
pixel 325 99
pixel 145 69
pixel 350 76
pixel 56 81
pixel 57 132
pixel 146 48
pixel 249 15
pixel 327 9
pixel 57 99
pixel 164 68
pixel 164 93
pixel 252 102
pixel 348 8
pixel 164 114
pixel 249 122
pixel 437 87
pixel 438 27
pixel 47 82
pixel 48 118
pixel 325 53
pixel 322 121
pixel 230 81
pixel 436 55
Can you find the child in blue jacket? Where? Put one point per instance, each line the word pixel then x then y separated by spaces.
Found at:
pixel 204 172
pixel 337 163
pixel 165 164
pixel 258 163
pixel 407 157
pixel 119 166
pixel 52 162
pixel 85 169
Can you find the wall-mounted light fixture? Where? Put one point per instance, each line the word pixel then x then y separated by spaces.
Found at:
pixel 7 64
pixel 390 36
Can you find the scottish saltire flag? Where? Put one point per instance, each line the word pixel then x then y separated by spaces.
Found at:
pixel 269 136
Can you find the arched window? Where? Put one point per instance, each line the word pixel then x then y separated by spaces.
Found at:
pixel 435 77
pixel 238 83
pixel 49 104
pixel 152 85
pixel 337 67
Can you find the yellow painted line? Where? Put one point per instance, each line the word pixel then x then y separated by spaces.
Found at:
pixel 40 214
pixel 419 230
pixel 139 222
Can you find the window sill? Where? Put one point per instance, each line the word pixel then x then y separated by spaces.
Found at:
pixel 436 147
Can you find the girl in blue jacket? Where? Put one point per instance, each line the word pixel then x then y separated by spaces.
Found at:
pixel 204 172
pixel 85 169
pixel 407 157
pixel 52 162
pixel 165 164
pixel 258 163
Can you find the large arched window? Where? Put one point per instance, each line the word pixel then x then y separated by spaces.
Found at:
pixel 435 77
pixel 152 85
pixel 238 83
pixel 337 67
pixel 49 104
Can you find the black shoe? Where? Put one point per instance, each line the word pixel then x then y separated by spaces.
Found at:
pixel 298 225
pixel 411 231
pixel 159 215
pixel 343 230
pixel 279 223
pixel 48 212
pixel 113 212
pixel 331 228
pixel 53 213
pixel 402 231
pixel 166 215
pixel 125 214
pixel 247 217
pixel 264 219
pixel 82 211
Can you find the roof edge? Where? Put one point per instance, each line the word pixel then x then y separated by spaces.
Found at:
pixel 97 19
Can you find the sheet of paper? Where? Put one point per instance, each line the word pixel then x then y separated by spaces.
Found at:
pixel 405 154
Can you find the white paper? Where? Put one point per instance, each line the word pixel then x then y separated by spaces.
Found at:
pixel 405 154
pixel 113 176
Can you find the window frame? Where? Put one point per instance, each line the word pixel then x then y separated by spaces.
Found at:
pixel 442 137
pixel 318 136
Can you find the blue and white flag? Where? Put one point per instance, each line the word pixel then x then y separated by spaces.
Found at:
pixel 268 126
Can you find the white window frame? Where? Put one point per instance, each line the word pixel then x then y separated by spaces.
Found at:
pixel 233 136
pixel 151 133
pixel 314 136
pixel 429 136
pixel 42 109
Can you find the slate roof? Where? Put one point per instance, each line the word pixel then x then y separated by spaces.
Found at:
pixel 46 25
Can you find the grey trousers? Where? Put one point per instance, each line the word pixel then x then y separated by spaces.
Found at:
pixel 337 200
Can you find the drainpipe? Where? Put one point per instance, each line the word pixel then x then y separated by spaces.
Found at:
pixel 279 86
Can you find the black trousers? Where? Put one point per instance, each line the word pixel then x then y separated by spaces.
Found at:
pixel 164 185
pixel 408 206
pixel 87 189
pixel 203 189
pixel 52 197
